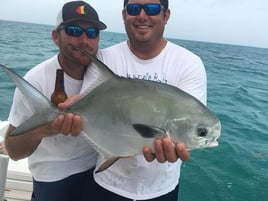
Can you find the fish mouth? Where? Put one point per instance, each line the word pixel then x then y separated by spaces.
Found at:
pixel 215 136
pixel 205 143
pixel 208 143
pixel 214 142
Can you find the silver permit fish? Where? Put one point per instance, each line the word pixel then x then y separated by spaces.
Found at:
pixel 122 115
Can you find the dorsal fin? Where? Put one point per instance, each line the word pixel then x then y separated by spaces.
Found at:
pixel 97 74
pixel 105 70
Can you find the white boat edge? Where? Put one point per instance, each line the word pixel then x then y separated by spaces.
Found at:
pixel 19 166
pixel 18 180
pixel 3 129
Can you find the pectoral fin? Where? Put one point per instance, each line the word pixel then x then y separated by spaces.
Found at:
pixel 147 131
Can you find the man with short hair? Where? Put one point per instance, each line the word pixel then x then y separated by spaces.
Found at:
pixel 61 163
pixel 148 55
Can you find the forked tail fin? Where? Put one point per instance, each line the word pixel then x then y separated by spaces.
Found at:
pixel 44 110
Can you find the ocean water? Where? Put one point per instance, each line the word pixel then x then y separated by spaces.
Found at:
pixel 237 170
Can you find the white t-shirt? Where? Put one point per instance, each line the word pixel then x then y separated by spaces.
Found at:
pixel 136 178
pixel 60 156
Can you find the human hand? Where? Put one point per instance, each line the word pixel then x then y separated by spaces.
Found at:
pixel 166 150
pixel 3 148
pixel 69 101
pixel 68 124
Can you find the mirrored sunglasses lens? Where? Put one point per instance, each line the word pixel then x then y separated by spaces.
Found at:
pixel 73 31
pixel 92 32
pixel 152 9
pixel 133 9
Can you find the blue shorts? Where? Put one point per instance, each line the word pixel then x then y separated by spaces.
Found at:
pixel 82 187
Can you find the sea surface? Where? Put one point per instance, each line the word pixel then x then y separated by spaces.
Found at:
pixel 237 170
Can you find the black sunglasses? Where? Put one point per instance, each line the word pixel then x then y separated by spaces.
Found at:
pixel 150 9
pixel 76 31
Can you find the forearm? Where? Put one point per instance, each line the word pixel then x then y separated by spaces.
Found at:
pixel 22 146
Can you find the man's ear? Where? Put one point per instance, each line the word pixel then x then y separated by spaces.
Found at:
pixel 124 13
pixel 166 15
pixel 55 36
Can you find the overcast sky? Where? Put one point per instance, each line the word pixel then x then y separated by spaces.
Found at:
pixel 241 22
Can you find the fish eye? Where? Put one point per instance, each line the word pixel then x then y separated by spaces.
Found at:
pixel 202 132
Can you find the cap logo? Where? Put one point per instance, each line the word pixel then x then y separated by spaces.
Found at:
pixel 81 10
